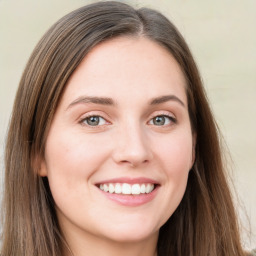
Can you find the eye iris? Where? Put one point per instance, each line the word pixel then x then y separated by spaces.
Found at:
pixel 159 120
pixel 93 120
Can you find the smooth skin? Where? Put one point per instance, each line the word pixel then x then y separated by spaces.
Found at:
pixel 123 114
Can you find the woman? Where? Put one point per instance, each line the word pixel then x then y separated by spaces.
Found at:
pixel 112 147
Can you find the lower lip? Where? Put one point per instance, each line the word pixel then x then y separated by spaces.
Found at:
pixel 131 200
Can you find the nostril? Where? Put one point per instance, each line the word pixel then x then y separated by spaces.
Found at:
pixel 132 152
pixel 134 163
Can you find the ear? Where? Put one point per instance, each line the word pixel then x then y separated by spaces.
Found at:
pixel 42 170
pixel 39 166
pixel 194 138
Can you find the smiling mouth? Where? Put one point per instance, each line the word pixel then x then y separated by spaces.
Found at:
pixel 127 189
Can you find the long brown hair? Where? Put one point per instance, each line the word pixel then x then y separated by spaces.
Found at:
pixel 203 224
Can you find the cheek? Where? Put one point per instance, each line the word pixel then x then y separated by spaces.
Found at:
pixel 71 159
pixel 176 154
pixel 176 159
pixel 72 152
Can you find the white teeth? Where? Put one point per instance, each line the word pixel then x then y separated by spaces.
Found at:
pixel 118 188
pixel 111 188
pixel 143 189
pixel 105 187
pixel 149 188
pixel 135 189
pixel 127 189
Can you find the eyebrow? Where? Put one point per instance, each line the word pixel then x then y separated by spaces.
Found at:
pixel 166 98
pixel 110 102
pixel 94 100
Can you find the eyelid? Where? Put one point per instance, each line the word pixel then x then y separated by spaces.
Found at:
pixel 162 113
pixel 93 114
pixel 172 117
pixel 81 120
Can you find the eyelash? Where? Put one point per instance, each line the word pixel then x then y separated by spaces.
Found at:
pixel 172 119
pixel 84 121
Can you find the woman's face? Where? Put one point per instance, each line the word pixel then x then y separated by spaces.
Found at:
pixel 120 146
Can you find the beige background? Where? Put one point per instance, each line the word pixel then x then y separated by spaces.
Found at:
pixel 222 37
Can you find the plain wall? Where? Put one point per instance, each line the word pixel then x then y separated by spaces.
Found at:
pixel 222 37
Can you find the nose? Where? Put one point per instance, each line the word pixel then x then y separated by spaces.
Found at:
pixel 132 146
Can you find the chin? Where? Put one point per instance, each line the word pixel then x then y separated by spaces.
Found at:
pixel 131 233
pixel 132 238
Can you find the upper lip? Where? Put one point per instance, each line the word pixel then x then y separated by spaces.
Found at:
pixel 129 180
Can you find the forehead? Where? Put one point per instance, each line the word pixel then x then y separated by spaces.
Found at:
pixel 127 67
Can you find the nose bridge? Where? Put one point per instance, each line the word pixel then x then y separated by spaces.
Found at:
pixel 132 144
